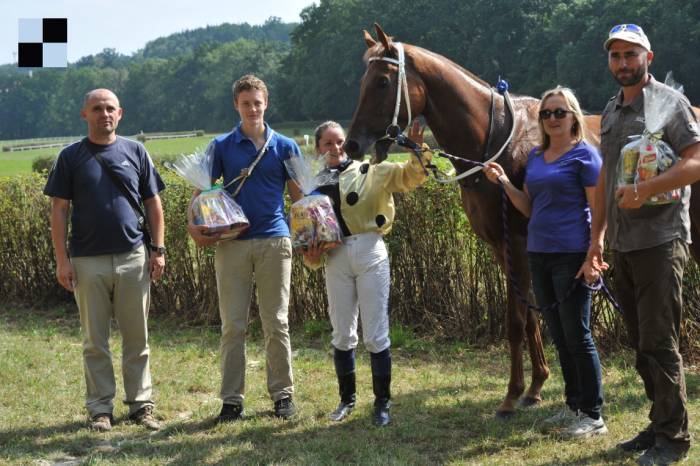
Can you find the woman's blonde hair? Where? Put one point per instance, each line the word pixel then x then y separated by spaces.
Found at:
pixel 578 129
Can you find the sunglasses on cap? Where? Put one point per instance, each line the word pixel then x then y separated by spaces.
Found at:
pixel 626 27
pixel 558 113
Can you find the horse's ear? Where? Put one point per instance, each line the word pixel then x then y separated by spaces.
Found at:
pixel 368 39
pixel 383 38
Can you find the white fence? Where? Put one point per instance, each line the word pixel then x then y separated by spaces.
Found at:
pixel 18 146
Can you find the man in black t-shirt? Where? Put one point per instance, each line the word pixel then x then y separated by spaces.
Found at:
pixel 107 265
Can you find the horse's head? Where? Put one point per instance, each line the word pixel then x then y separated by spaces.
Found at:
pixel 377 101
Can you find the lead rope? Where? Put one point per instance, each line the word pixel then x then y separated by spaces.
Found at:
pixel 404 141
pixel 394 133
pixel 598 285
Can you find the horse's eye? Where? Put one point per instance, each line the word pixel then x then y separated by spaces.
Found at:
pixel 383 82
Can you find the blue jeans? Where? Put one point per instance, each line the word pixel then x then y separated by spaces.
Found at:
pixel 569 325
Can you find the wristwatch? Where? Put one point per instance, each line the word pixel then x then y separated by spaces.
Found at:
pixel 158 249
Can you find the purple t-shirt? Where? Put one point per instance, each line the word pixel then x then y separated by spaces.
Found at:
pixel 561 218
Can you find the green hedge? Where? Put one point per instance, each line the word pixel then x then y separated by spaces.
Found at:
pixel 445 282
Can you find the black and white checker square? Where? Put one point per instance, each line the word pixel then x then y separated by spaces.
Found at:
pixel 43 42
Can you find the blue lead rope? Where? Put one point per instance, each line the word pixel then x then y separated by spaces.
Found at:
pixel 600 284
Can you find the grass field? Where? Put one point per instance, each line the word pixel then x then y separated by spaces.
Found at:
pixel 15 163
pixel 444 399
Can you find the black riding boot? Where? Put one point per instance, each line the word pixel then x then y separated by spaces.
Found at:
pixel 381 382
pixel 345 370
pixel 346 385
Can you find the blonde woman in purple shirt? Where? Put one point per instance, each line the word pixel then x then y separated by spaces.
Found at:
pixel 557 196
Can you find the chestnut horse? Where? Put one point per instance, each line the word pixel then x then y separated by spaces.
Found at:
pixel 462 110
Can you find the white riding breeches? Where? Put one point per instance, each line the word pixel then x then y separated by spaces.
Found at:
pixel 357 282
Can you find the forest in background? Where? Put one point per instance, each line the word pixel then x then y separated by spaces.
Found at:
pixel 313 67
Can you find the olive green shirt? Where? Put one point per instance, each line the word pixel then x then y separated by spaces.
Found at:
pixel 647 226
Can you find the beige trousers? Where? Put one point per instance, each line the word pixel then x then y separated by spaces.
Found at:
pixel 114 285
pixel 269 260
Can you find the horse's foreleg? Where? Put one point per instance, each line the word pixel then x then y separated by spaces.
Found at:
pixel 540 370
pixel 515 332
pixel 522 322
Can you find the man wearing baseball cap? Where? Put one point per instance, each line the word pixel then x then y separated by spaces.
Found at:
pixel 650 242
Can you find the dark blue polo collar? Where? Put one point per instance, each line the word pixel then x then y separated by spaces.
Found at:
pixel 239 137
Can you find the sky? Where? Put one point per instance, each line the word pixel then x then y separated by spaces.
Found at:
pixel 126 25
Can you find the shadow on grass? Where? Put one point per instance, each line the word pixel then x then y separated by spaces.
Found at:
pixel 73 438
pixel 435 425
pixel 422 432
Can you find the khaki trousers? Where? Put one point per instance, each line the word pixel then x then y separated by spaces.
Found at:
pixel 269 260
pixel 114 285
pixel 649 287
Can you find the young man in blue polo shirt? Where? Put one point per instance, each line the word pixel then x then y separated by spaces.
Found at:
pixel 107 266
pixel 264 251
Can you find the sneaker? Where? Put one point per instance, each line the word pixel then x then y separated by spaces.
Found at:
pixel 230 413
pixel 101 422
pixel 662 455
pixel 285 408
pixel 144 416
pixel 641 442
pixel 586 427
pixel 565 417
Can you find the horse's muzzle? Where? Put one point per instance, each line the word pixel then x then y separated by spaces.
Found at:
pixel 353 149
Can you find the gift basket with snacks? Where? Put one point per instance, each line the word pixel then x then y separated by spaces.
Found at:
pixel 648 155
pixel 311 219
pixel 214 207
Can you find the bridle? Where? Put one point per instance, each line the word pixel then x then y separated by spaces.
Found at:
pixel 394 132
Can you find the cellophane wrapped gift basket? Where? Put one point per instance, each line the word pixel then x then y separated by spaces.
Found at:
pixel 647 155
pixel 312 219
pixel 214 207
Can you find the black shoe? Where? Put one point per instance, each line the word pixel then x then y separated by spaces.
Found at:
pixel 642 442
pixel 230 413
pixel 285 408
pixel 662 455
pixel 380 418
pixel 342 411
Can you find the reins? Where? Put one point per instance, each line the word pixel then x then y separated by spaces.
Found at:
pixel 598 285
pixel 395 134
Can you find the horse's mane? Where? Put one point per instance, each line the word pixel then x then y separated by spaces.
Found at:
pixel 378 50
